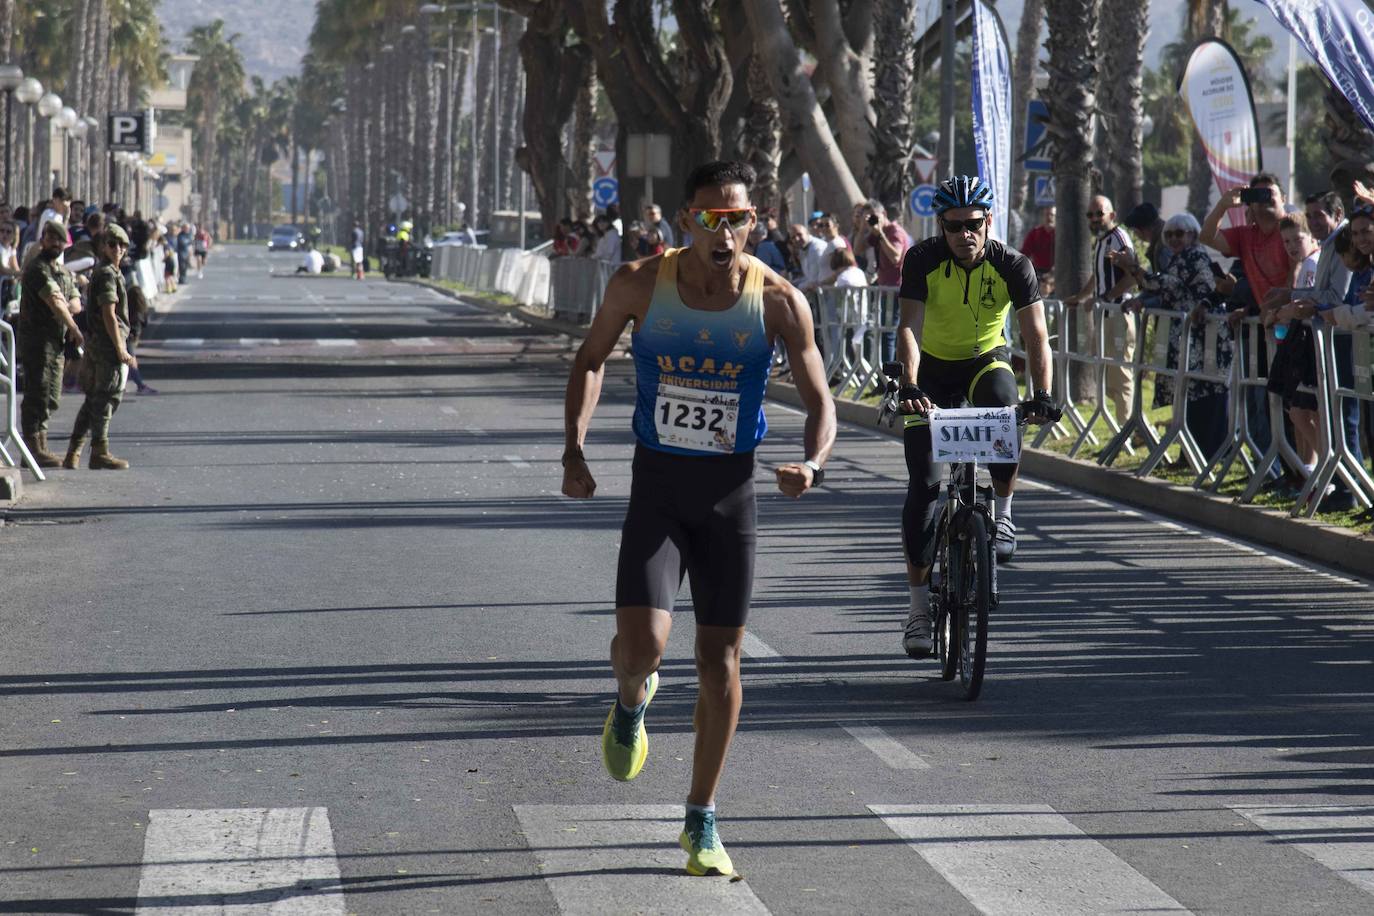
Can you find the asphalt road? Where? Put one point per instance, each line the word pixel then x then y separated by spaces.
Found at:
pixel 336 644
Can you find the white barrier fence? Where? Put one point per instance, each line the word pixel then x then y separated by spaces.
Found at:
pixel 522 275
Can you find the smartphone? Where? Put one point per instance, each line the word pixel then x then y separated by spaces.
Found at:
pixel 1256 195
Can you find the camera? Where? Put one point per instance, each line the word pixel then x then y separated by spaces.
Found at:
pixel 1260 195
pixel 873 219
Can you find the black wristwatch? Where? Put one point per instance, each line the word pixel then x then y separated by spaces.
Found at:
pixel 817 472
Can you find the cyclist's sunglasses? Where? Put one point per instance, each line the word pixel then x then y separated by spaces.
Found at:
pixel 956 226
pixel 732 219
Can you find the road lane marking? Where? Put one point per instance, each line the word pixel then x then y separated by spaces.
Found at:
pixel 248 861
pixel 1341 837
pixel 183 342
pixel 754 647
pixel 517 461
pixel 1023 860
pixel 448 409
pixel 413 341
pixel 888 749
pixel 336 342
pixel 476 430
pixel 599 857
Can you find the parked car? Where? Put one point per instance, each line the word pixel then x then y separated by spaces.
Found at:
pixel 285 238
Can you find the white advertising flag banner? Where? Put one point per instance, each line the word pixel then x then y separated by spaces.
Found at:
pixel 1217 92
pixel 992 127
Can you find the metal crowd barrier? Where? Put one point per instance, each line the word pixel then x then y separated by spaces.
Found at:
pixel 9 382
pixel 576 287
pixel 523 275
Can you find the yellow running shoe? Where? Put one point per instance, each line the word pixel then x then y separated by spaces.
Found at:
pixel 705 852
pixel 625 749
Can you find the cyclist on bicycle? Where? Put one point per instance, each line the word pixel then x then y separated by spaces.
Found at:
pixel 957 290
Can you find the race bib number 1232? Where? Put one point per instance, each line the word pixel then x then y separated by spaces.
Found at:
pixel 703 421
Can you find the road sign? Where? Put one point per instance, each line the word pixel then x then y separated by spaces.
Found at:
pixel 923 199
pixel 398 203
pixel 604 160
pixel 925 170
pixel 130 131
pixel 605 191
pixel 1044 190
pixel 1037 113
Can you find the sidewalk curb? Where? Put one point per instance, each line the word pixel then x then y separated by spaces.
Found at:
pixel 1341 548
pixel 518 312
pixel 1338 547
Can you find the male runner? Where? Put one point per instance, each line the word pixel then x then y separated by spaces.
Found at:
pixel 957 289
pixel 705 321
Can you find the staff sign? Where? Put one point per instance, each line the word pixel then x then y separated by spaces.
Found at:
pixel 985 434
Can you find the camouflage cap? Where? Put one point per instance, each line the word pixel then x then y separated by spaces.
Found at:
pixel 114 234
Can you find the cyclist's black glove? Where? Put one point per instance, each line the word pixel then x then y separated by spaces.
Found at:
pixel 910 393
pixel 1044 409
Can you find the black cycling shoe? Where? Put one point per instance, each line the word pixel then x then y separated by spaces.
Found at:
pixel 1005 540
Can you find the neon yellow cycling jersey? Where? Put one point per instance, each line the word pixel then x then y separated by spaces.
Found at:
pixel 966 309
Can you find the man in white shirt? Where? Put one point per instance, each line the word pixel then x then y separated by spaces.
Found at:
pixel 810 254
pixel 1110 284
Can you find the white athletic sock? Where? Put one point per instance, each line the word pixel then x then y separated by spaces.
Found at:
pixel 1002 504
pixel 1308 470
pixel 701 809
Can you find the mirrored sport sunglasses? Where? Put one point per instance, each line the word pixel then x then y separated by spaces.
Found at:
pixel 955 226
pixel 732 219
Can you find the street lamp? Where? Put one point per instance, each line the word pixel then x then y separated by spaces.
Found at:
pixel 28 93
pixel 11 75
pixel 48 108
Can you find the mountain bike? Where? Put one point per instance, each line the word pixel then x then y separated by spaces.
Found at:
pixel 963 579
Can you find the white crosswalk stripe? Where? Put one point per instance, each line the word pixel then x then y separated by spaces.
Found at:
pixel 887 749
pixel 600 858
pixel 246 861
pixel 1339 837
pixel 1023 860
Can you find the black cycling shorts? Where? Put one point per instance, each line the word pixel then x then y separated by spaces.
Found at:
pixel 984 381
pixel 693 515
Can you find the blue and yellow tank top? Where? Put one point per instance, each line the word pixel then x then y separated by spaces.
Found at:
pixel 700 376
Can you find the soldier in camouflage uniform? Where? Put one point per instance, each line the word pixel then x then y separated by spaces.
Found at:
pixel 105 367
pixel 46 310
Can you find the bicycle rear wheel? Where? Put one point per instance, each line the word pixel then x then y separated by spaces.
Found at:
pixel 975 600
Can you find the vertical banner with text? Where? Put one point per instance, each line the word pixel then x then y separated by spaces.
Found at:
pixel 1217 92
pixel 992 128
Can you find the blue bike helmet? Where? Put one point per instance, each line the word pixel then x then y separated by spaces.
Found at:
pixel 962 191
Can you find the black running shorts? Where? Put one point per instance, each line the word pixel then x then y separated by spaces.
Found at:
pixel 693 515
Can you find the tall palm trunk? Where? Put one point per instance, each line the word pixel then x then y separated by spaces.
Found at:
pixel 1072 68
pixel 1206 19
pixel 486 81
pixel 511 106
pixel 889 164
pixel 1023 89
pixel 1124 22
pixel 581 150
pixel 761 142
pixel 424 134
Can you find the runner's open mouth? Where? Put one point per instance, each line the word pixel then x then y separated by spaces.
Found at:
pixel 722 256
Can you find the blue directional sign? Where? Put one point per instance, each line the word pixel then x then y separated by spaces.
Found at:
pixel 605 191
pixel 1037 113
pixel 923 199
pixel 1044 190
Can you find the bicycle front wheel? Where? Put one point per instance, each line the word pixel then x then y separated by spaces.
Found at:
pixel 975 600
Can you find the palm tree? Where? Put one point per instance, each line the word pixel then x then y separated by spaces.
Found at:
pixel 1206 19
pixel 1023 87
pixel 216 84
pixel 1072 103
pixel 1119 86
pixel 889 164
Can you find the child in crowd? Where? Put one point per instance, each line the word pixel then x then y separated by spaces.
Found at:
pixel 1302 251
